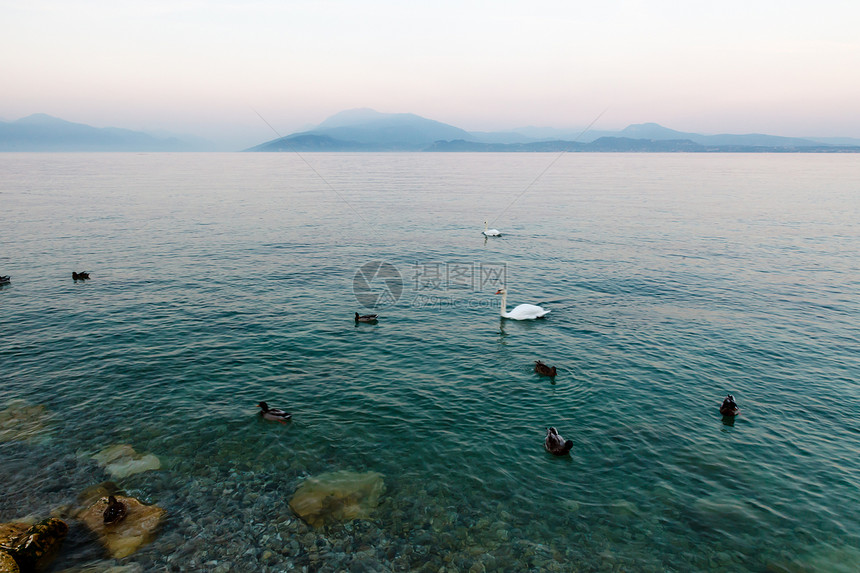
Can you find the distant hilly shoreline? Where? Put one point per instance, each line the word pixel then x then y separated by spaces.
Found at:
pixel 366 130
pixel 41 132
pixel 629 145
pixel 369 130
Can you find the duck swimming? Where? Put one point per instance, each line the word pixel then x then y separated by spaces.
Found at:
pixel 555 444
pixel 80 276
pixel 273 414
pixel 366 317
pixel 115 511
pixel 544 370
pixel 729 407
pixel 5 279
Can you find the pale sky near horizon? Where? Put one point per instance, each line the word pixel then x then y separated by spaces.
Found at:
pixel 203 67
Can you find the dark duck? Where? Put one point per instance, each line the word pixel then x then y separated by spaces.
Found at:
pixel 366 317
pixel 115 511
pixel 729 407
pixel 82 276
pixel 544 370
pixel 555 444
pixel 273 414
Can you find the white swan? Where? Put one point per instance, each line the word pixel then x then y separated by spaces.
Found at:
pixel 490 232
pixel 522 311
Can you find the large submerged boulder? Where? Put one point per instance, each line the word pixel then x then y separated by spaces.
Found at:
pixel 337 497
pixel 124 537
pixel 28 547
pixel 122 461
pixel 21 421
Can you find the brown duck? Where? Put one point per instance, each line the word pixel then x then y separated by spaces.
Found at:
pixel 115 511
pixel 544 370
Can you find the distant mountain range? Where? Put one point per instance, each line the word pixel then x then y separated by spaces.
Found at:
pixel 40 132
pixel 369 130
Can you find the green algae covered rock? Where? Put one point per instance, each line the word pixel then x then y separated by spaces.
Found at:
pixel 30 547
pixel 7 563
pixel 136 529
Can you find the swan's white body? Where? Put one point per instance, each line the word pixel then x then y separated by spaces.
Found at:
pixel 522 311
pixel 491 232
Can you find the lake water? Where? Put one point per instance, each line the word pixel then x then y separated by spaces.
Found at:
pixel 219 280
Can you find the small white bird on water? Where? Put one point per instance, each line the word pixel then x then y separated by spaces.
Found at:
pixel 490 232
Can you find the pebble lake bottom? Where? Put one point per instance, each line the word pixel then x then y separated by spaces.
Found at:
pixel 220 280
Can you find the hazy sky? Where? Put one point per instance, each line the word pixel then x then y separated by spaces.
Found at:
pixel 202 67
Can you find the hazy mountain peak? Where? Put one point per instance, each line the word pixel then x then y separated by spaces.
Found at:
pixel 371 130
pixel 41 119
pixel 650 131
pixel 355 116
pixel 42 132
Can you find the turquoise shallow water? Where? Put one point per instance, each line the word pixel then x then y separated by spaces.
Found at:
pixel 219 280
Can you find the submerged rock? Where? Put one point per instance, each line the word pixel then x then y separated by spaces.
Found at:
pixel 337 497
pixel 21 421
pixel 821 557
pixel 123 538
pixel 571 505
pixel 9 531
pixel 27 547
pixel 623 508
pixel 122 461
pixel 94 493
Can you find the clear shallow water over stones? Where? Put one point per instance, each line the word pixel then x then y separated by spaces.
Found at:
pixel 221 280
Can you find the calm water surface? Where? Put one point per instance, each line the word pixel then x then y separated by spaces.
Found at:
pixel 219 280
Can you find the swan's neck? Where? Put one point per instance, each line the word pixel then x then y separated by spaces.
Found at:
pixel 504 310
